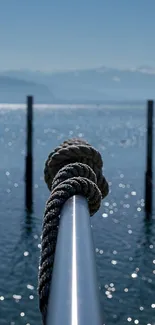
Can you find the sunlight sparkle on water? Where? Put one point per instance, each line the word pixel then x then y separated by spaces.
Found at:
pixel 126 196
pixel 111 285
pixel 129 319
pixel 106 204
pixel 109 296
pixel 134 275
pixel 127 206
pixel 30 287
pixel 26 253
pixel 104 215
pixel 17 297
pixel 80 135
pixel 121 185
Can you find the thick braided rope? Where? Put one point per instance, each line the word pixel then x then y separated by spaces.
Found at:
pixel 72 168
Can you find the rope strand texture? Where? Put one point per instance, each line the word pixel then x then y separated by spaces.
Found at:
pixel 74 167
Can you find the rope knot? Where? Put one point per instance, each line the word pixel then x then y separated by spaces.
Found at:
pixel 73 168
pixel 75 151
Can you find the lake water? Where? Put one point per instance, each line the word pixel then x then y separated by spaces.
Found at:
pixel 124 241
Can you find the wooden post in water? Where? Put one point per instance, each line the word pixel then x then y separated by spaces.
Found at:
pixel 149 161
pixel 29 156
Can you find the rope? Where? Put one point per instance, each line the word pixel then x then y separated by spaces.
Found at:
pixel 75 167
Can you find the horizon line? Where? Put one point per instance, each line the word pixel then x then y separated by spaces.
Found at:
pixel 100 67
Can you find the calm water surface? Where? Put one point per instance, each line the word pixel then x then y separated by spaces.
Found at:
pixel 124 241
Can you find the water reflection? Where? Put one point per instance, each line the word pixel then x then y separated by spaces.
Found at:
pixel 26 245
pixel 20 290
pixel 29 224
pixel 142 291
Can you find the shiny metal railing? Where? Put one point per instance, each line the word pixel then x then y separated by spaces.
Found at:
pixel 74 292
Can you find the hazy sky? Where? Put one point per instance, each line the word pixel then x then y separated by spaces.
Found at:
pixel 67 34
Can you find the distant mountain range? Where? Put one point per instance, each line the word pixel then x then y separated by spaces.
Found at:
pixel 15 89
pixel 79 86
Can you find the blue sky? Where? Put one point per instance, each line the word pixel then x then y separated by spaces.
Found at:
pixel 66 34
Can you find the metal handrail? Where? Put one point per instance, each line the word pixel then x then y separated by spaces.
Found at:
pixel 74 292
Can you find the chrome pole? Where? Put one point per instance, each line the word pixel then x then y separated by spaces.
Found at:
pixel 74 292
